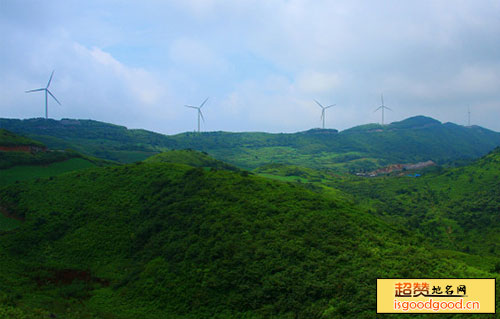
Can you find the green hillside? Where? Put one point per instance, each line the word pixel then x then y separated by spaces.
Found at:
pixel 454 209
pixel 191 158
pixel 102 140
pixel 161 240
pixel 361 148
pixel 17 164
pixel 29 172
pixel 8 138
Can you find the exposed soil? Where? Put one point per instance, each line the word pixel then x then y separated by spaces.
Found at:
pixel 4 211
pixel 67 276
pixel 23 148
pixel 397 168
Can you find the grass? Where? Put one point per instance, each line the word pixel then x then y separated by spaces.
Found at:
pixel 30 172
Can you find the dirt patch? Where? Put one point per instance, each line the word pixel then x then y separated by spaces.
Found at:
pixel 4 211
pixel 67 276
pixel 23 148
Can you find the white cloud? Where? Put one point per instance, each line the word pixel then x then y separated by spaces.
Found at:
pixel 478 80
pixel 190 53
pixel 317 82
pixel 141 83
pixel 261 62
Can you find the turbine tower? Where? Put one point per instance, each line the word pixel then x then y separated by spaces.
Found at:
pixel 382 107
pixel 199 112
pixel 323 108
pixel 46 89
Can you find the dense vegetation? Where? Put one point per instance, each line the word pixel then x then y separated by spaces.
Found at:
pixel 191 158
pixel 183 235
pixel 456 210
pixel 156 240
pixel 360 148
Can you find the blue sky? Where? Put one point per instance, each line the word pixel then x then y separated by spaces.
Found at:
pixel 136 63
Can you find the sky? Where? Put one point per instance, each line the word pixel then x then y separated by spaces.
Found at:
pixel 261 62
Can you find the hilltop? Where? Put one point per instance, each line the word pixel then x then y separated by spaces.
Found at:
pixel 362 148
pixel 191 158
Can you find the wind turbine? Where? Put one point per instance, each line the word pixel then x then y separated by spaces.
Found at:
pixel 323 108
pixel 199 112
pixel 382 107
pixel 46 89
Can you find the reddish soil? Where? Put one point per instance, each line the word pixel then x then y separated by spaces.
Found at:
pixel 67 276
pixel 23 148
pixel 8 214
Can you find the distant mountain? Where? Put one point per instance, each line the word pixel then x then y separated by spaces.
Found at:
pixel 361 148
pixel 94 138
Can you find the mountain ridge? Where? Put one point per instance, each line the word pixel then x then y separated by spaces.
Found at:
pixel 361 148
pixel 70 122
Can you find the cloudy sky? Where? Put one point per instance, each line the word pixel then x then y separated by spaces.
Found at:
pixel 261 62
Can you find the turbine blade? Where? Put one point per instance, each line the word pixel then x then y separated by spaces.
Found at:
pixel 193 107
pixel 382 98
pixel 321 106
pixel 378 108
pixel 330 106
pixel 388 108
pixel 35 90
pixel 51 75
pixel 53 97
pixel 203 102
pixel 201 115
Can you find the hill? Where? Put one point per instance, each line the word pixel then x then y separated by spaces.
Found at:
pixel 9 139
pixel 102 140
pixel 362 148
pixel 162 240
pixel 191 158
pixel 23 158
pixel 455 209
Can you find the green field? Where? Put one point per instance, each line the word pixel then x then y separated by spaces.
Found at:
pixel 29 172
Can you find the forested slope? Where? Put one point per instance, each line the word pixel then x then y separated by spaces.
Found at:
pixel 157 240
